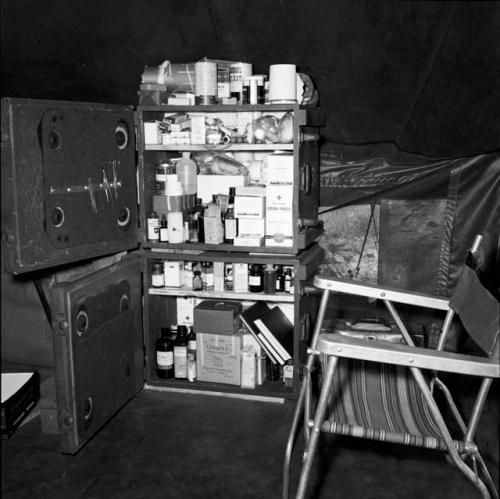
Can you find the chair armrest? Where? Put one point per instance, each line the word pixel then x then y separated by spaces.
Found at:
pixel 405 355
pixel 380 292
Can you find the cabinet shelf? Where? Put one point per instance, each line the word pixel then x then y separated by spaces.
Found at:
pixel 219 147
pixel 227 295
pixel 268 389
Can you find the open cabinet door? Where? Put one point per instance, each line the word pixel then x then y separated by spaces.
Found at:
pixel 69 189
pixel 98 348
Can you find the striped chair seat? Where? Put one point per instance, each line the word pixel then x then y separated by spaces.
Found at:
pixel 380 402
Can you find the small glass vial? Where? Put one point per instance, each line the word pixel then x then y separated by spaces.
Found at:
pixel 255 278
pixel 288 281
pixel 157 276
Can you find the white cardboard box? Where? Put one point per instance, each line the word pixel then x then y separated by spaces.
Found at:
pixel 218 358
pixel 152 134
pixel 174 273
pixel 249 206
pixel 251 227
pixel 240 277
pixel 279 169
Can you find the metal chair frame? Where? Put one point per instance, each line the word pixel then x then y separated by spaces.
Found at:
pixel 415 358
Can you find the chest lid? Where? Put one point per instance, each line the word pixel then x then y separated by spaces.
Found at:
pixel 69 189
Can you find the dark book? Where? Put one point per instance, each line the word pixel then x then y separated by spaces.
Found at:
pixel 277 329
pixel 248 317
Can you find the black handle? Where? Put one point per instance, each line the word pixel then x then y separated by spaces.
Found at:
pixel 305 327
pixel 305 180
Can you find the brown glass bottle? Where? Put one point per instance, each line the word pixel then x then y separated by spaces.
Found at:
pixel 165 354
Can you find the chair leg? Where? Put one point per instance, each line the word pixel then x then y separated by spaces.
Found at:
pixel 291 437
pixel 452 451
pixel 304 400
pixel 318 420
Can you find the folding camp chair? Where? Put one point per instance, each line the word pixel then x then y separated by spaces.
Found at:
pixel 365 382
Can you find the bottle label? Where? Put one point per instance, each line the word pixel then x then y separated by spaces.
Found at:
pixel 254 280
pixel 153 229
pixel 192 345
pixel 158 280
pixel 230 228
pixel 164 360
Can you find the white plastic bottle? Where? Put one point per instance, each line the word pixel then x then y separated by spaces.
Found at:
pixel 186 171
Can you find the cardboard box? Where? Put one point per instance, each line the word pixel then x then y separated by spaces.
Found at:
pixel 219 276
pixel 251 227
pixel 240 277
pixel 279 210
pixel 218 358
pixel 249 206
pixel 217 316
pixel 217 184
pixel 185 310
pixel 174 274
pixel 152 134
pixel 279 169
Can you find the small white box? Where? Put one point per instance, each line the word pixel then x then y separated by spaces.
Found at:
pixel 152 134
pixel 207 185
pixel 240 277
pixel 251 227
pixel 279 210
pixel 185 310
pixel 174 274
pixel 219 276
pixel 248 367
pixel 247 339
pixel 249 206
pixel 255 241
pixel 279 169
pixel 198 130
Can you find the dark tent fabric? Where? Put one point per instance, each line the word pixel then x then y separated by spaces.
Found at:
pixel 470 187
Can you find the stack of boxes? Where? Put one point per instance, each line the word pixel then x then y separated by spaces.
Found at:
pixel 225 351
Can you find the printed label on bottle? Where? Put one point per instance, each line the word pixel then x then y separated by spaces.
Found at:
pixel 230 228
pixel 153 229
pixel 158 280
pixel 164 360
pixel 254 280
pixel 192 345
